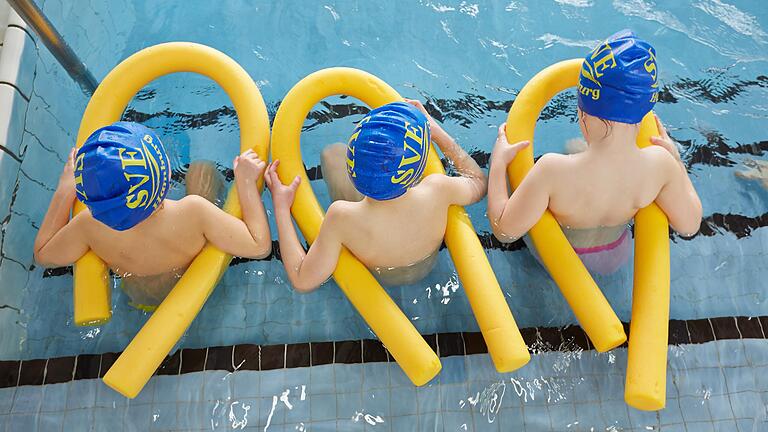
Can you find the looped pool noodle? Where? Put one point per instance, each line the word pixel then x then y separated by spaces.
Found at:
pixel 165 327
pixel 393 328
pixel 646 370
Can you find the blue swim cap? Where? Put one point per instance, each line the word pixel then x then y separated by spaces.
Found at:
pixel 388 151
pixel 122 174
pixel 618 79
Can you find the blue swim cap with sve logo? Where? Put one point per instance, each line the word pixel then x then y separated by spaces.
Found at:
pixel 618 79
pixel 122 173
pixel 388 151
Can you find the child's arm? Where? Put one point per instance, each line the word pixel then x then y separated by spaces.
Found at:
pixel 466 189
pixel 59 243
pixel 250 236
pixel 511 217
pixel 306 271
pixel 678 199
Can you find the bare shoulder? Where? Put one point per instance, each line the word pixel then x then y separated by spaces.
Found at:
pixel 83 220
pixel 549 160
pixel 433 180
pixel 437 185
pixel 340 215
pixel 193 205
pixel 550 164
pixel 340 211
pixel 657 154
pixel 660 161
pixel 194 209
pixel 190 202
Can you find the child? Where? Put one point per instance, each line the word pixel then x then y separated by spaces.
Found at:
pixel 122 174
pixel 593 194
pixel 396 225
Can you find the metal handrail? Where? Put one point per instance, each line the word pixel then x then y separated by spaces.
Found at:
pixel 52 39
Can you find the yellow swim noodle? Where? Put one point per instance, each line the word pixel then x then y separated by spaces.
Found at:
pixel 646 381
pixel 384 317
pixel 173 316
pixel 581 292
pixel 646 370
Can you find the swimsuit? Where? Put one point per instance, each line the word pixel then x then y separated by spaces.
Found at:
pixel 601 259
pixel 608 258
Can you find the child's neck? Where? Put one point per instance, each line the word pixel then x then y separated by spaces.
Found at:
pixel 621 138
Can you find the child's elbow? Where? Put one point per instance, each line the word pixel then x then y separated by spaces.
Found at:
pixel 263 249
pixel 303 287
pixel 504 236
pixel 689 227
pixel 481 187
pixel 43 259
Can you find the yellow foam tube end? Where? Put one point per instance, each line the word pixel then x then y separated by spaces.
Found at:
pixel 395 331
pixel 387 321
pixel 502 336
pixel 579 289
pixel 646 381
pixel 92 295
pixel 148 349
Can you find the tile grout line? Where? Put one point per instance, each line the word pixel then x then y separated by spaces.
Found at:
pixel 361 343
pixel 74 368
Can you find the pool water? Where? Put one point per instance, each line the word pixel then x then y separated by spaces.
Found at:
pixel 261 356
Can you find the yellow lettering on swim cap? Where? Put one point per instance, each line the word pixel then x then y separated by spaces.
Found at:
pixel 586 72
pixel 411 132
pixel 650 67
pixel 411 159
pixel 131 160
pixel 79 174
pixel 403 177
pixel 411 155
pixel 600 60
pixel 351 162
pixel 140 199
pixel 143 179
pixel 601 64
pixel 79 160
pixel 79 182
pixel 148 139
pixel 586 91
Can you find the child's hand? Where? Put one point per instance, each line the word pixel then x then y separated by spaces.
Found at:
pixel 419 106
pixel 664 140
pixel 67 179
pixel 282 195
pixel 439 136
pixel 502 151
pixel 248 167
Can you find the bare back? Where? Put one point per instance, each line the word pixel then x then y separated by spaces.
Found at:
pixel 165 242
pixel 395 233
pixel 603 187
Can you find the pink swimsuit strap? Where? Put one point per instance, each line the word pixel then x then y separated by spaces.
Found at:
pixel 602 248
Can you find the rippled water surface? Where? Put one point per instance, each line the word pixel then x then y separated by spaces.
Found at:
pixel 467 61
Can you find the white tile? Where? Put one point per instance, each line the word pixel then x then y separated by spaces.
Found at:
pixel 18 60
pixel 5 9
pixel 13 108
pixel 13 18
